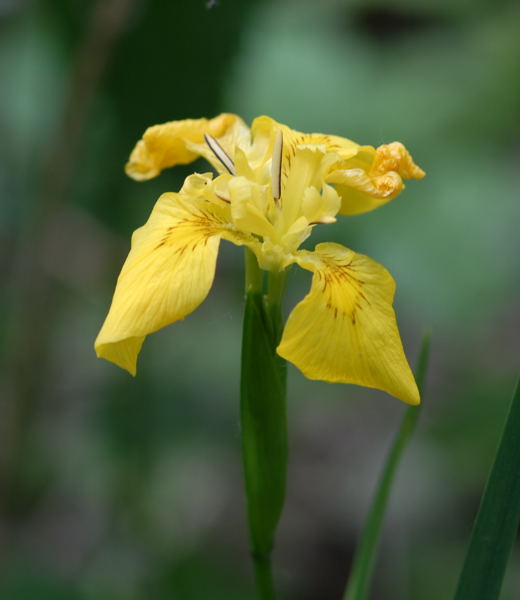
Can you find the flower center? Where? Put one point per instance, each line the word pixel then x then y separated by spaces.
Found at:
pixel 276 167
pixel 280 201
pixel 220 153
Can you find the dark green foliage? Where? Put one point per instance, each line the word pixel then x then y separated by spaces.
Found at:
pixel 496 524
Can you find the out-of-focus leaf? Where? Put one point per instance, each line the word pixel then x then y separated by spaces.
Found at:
pixel 497 520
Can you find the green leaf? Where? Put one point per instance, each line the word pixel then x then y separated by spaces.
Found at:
pixel 498 517
pixel 366 552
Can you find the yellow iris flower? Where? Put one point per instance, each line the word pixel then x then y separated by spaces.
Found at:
pixel 273 186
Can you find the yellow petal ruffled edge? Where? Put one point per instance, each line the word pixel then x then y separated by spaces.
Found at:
pixel 365 177
pixel 173 143
pixel 373 177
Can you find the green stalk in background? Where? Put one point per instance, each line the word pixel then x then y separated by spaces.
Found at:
pixel 263 418
pixel 497 520
pixel 364 558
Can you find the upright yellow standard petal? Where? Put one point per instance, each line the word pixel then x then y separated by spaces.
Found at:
pixel 173 143
pixel 167 274
pixel 345 329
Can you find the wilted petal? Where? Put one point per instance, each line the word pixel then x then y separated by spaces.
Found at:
pixel 373 177
pixel 178 142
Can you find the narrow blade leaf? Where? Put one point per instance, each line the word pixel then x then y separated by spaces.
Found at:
pixel 498 517
pixel 364 558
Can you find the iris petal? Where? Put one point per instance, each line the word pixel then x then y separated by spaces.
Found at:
pixel 264 128
pixel 167 274
pixel 345 329
pixel 373 177
pixel 179 142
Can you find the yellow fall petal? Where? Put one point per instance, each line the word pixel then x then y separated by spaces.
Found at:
pixel 175 142
pixel 167 274
pixel 345 329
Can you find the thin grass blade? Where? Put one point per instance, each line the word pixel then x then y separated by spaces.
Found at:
pixel 360 576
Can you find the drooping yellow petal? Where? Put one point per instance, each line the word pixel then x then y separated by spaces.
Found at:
pixel 345 329
pixel 373 177
pixel 167 274
pixel 176 142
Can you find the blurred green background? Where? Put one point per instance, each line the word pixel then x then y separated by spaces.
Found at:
pixel 115 488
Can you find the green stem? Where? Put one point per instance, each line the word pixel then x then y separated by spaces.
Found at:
pixel 263 418
pixel 264 577
pixel 497 520
pixel 273 308
pixel 273 300
pixel 364 558
pixel 253 274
